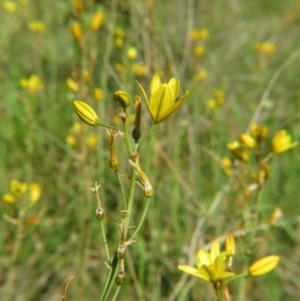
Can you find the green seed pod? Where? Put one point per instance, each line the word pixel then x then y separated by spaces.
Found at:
pixel 121 252
pixel 122 98
pixel 100 214
pixel 120 278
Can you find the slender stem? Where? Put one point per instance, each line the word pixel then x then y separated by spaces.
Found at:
pixel 116 293
pixel 153 126
pixel 130 200
pixel 10 284
pixel 107 126
pixel 122 189
pixel 126 140
pixel 105 242
pixel 148 200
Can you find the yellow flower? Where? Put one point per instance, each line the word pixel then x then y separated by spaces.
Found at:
pixel 199 51
pixel 247 140
pixel 92 140
pixel 227 166
pixel 97 20
pixel 37 26
pixel 85 112
pixel 211 266
pixel 76 31
pixel 17 186
pixel 131 53
pixel 72 85
pixel 10 6
pixel 98 94
pixel 8 198
pixel 35 192
pixel 263 265
pixel 265 48
pixel 219 95
pixel 238 151
pixel 201 75
pixel 86 76
pixel 212 104
pixel 140 70
pixel 119 42
pixel 199 34
pixel 162 101
pixel 282 142
pixel 32 84
pixel 259 133
pixel 71 140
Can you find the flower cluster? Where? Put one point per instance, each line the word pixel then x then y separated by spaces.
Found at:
pixel 216 266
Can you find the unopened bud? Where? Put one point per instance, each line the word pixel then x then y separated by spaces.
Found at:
pixel 76 31
pixel 230 245
pixel 238 151
pixel 97 20
pixel 85 112
pixel 122 98
pixel 263 265
pixel 78 5
pixel 136 133
pixel 247 140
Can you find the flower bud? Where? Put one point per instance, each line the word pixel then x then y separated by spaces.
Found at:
pixel 98 94
pixel 263 265
pixel 122 98
pixel 238 151
pixel 100 214
pixel 97 20
pixel 8 198
pixel 78 5
pixel 76 31
pixel 247 140
pixel 85 112
pixel 136 132
pixel 230 245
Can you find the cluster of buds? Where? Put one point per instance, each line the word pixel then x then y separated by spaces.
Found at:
pixel 216 266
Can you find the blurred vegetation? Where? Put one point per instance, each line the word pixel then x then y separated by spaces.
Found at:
pixel 244 53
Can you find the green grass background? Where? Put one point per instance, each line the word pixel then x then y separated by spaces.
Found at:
pixel 181 159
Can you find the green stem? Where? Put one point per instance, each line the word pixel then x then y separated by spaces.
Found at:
pixel 10 284
pixel 126 139
pixel 107 126
pixel 153 126
pixel 110 279
pixel 142 219
pixel 105 242
pixel 122 189
pixel 130 200
pixel 116 293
